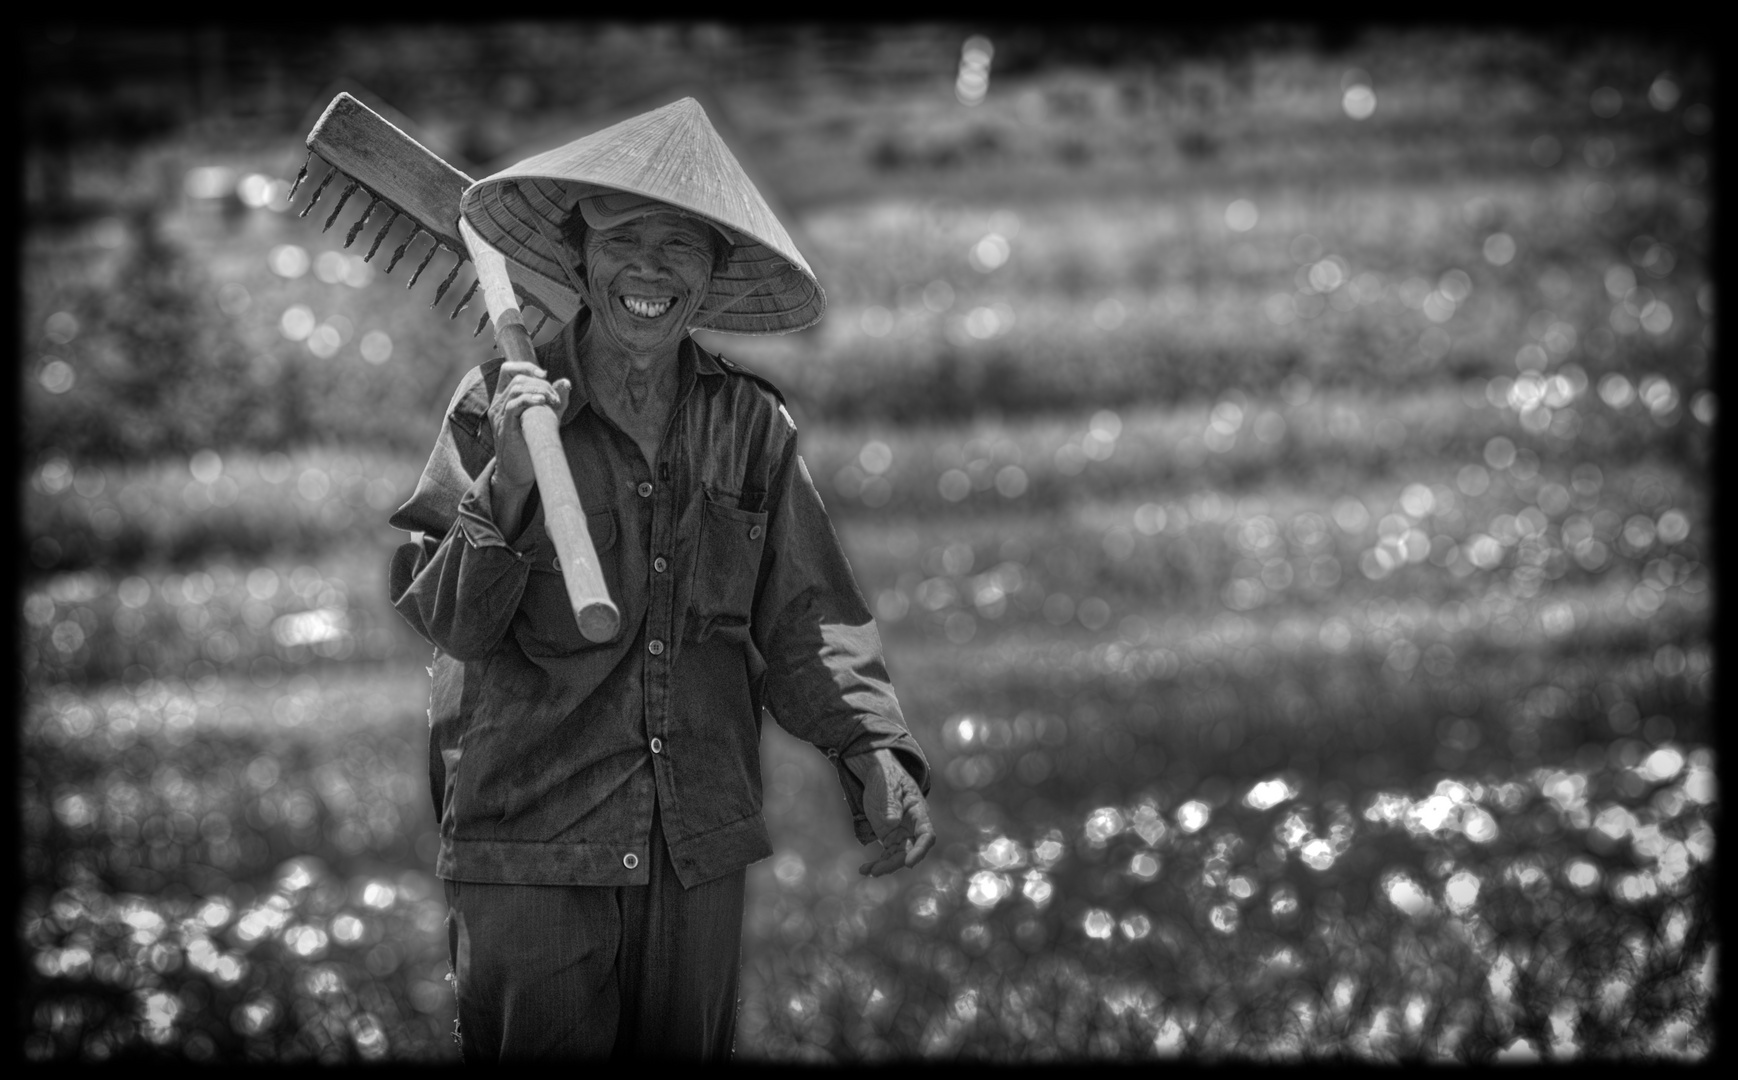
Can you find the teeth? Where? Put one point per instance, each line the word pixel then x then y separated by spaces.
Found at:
pixel 646 309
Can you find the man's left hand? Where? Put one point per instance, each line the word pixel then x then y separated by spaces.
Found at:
pixel 896 812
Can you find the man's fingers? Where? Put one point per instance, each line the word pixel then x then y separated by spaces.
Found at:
pixel 519 378
pixel 916 811
pixel 521 367
pixel 892 857
pixel 909 834
pixel 917 817
pixel 919 849
pixel 526 391
pixel 884 866
pixel 887 863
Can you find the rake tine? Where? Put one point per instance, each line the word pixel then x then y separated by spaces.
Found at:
pixel 470 292
pixel 390 222
pixel 399 254
pixel 342 199
pixel 451 275
pixel 350 237
pixel 527 304
pixel 301 174
pixel 423 265
pixel 527 301
pixel 315 198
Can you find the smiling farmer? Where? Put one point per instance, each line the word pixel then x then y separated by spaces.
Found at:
pixel 599 802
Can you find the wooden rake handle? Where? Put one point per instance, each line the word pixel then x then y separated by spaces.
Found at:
pixel 562 514
pixel 371 152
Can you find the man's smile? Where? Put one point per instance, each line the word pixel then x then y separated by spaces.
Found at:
pixel 646 307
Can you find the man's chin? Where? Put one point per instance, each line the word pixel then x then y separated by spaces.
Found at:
pixel 644 338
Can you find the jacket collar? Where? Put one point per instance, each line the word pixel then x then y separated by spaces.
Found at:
pixel 691 360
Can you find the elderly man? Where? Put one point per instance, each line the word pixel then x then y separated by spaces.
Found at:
pixel 600 802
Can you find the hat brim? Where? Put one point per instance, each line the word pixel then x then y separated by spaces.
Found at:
pixel 671 155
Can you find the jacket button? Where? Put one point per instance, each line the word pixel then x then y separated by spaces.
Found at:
pixel 556 562
pixel 630 860
pixel 754 533
pixel 659 564
pixel 645 489
pixel 657 745
pixel 655 647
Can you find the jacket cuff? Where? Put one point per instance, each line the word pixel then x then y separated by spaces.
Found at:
pixel 853 788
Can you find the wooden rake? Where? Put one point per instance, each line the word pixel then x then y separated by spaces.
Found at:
pixel 370 155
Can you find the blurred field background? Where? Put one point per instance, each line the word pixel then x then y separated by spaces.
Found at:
pixel 1277 459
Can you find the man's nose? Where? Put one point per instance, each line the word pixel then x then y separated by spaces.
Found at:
pixel 649 259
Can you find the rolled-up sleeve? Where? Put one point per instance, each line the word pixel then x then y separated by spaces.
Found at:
pixel 826 677
pixel 459 583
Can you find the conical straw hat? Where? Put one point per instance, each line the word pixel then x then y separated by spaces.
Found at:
pixel 674 155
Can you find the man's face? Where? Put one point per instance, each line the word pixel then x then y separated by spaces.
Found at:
pixel 647 277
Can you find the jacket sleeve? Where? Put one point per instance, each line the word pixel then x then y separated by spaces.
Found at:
pixel 458 584
pixel 826 680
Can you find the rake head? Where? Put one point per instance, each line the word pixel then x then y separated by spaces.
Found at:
pixel 367 154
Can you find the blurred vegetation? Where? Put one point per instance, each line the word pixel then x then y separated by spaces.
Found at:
pixel 244 873
pixel 1128 285
pixel 1290 533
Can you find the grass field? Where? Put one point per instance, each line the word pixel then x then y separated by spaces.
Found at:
pixel 1305 606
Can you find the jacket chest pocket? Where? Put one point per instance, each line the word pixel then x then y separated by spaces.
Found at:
pixel 726 569
pixel 545 625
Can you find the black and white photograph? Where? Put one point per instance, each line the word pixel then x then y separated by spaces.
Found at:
pixel 839 544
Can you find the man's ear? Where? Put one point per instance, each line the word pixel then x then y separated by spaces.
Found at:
pixel 573 234
pixel 722 250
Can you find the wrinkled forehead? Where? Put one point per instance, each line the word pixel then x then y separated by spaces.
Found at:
pixel 609 210
pixel 658 222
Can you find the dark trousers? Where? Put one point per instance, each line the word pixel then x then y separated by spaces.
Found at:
pixel 556 971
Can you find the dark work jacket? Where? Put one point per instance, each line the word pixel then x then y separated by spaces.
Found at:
pixel 542 764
